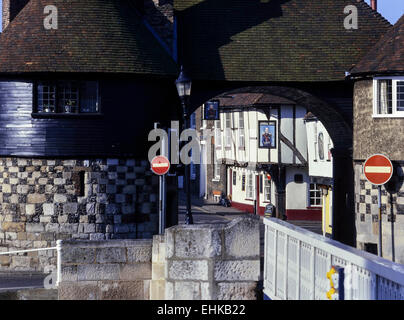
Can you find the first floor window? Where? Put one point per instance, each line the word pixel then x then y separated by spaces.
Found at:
pixel 250 186
pixel 67 97
pixel 234 178
pixel 218 134
pixel 267 189
pixel 315 195
pixel 216 167
pixel 389 96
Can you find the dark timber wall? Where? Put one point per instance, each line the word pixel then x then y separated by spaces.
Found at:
pixel 129 109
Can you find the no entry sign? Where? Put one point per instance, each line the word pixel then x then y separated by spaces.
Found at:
pixel 378 169
pixel 160 165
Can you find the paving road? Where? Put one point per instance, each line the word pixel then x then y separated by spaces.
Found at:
pixel 20 280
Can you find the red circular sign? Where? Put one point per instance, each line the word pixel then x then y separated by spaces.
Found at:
pixel 378 169
pixel 160 165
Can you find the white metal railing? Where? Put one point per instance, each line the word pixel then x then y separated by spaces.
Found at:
pixel 297 262
pixel 58 249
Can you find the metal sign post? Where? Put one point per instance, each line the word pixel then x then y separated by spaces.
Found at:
pixel 160 165
pixel 379 202
pixel 378 170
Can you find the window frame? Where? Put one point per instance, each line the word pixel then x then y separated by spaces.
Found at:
pixel 395 113
pixel 241 131
pixel 249 190
pixel 318 189
pixel 267 184
pixel 57 114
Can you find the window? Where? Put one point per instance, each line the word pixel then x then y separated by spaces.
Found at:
pixel 388 97
pixel 216 167
pixel 315 195
pixel 243 182
pixel 250 186
pixel 228 129
pixel 67 97
pixel 218 134
pixel 241 133
pixel 267 189
pixel 234 178
pixel 321 146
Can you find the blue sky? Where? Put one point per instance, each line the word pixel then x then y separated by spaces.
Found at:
pixel 392 10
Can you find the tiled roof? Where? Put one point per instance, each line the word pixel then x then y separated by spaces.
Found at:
pixel 251 99
pixel 387 56
pixel 274 40
pixel 93 36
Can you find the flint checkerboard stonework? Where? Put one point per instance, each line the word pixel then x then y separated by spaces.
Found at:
pixel 106 270
pixel 44 200
pixel 392 208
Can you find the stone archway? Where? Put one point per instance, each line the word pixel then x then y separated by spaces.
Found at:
pixel 341 133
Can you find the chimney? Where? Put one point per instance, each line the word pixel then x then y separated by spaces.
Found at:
pixel 373 4
pixel 10 10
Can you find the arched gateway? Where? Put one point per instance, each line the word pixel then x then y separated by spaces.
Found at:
pixel 272 102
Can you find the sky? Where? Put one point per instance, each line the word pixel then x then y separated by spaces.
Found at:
pixel 392 10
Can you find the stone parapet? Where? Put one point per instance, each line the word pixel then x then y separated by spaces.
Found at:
pixel 105 270
pixel 213 262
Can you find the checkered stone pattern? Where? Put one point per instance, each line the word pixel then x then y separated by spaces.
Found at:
pixel 43 200
pixel 392 209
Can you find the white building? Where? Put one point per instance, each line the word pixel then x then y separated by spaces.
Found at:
pixel 254 166
pixel 319 145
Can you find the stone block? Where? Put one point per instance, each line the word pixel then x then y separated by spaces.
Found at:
pixel 157 289
pixel 60 198
pixel 70 208
pixel 48 209
pixel 94 272
pixel 187 290
pixel 242 238
pixel 238 270
pixel 13 226
pixel 158 271
pixel 89 228
pixel 139 254
pixel 69 228
pixel 5 261
pixel 197 242
pixel 69 273
pixel 30 209
pixel 73 255
pixel 110 255
pixel 36 198
pixel 97 236
pixel 34 227
pixel 188 270
pixel 122 290
pixel 135 271
pixel 237 291
pixel 88 290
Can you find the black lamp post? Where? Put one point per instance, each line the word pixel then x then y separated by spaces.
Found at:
pixel 183 84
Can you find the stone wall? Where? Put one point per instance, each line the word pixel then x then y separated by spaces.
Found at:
pixel 374 135
pixel 367 213
pixel 213 262
pixel 42 201
pixel 105 270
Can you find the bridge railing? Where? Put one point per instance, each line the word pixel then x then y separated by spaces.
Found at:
pixel 58 250
pixel 297 261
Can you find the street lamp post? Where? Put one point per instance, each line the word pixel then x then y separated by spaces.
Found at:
pixel 183 84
